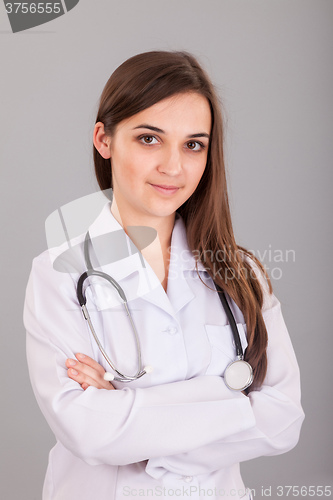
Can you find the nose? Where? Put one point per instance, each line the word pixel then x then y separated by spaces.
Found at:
pixel 171 161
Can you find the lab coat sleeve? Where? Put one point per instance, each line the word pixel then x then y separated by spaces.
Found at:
pixel 275 408
pixel 121 426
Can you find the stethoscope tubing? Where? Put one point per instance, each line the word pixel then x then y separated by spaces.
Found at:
pixel 121 376
pixel 83 301
pixel 232 322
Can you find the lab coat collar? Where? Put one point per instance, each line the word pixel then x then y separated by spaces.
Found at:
pixel 180 251
pixel 132 270
pixel 182 267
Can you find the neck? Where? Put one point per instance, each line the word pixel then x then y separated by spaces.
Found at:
pixel 156 252
pixel 162 225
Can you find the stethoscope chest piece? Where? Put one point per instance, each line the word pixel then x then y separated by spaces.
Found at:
pixel 238 375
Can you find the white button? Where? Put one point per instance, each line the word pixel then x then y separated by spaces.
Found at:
pixel 188 479
pixel 171 330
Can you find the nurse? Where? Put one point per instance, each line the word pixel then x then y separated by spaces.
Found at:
pixel 179 430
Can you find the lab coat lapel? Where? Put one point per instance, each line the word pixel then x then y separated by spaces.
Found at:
pixel 182 268
pixel 178 294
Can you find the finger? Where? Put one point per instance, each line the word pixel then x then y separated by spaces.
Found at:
pixel 92 363
pixel 83 374
pixel 91 368
pixel 93 375
pixel 83 378
pixel 86 360
pixel 85 387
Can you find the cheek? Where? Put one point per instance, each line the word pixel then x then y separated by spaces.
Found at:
pixel 131 162
pixel 196 173
pixel 125 168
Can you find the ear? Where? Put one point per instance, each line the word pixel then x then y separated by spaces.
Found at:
pixel 101 141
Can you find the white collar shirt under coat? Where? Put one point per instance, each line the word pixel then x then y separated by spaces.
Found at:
pixel 177 431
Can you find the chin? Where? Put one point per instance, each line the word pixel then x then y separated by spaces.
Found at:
pixel 162 211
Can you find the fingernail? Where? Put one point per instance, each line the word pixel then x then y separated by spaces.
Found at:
pixel 80 356
pixel 71 362
pixel 74 372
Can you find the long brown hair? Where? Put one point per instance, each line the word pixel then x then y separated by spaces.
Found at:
pixel 137 84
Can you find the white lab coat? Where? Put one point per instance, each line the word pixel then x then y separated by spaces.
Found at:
pixel 177 430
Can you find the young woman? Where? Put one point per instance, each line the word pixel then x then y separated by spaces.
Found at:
pixel 178 429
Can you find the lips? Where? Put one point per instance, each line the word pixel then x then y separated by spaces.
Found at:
pixel 165 189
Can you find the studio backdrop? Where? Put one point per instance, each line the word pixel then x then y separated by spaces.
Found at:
pixel 270 61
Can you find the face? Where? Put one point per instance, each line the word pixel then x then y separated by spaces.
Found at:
pixel 158 156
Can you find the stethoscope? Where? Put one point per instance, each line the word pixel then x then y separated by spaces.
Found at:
pixel 238 375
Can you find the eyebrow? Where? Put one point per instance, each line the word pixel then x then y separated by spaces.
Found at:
pixel 160 131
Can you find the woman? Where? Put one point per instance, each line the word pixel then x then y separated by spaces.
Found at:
pixel 178 430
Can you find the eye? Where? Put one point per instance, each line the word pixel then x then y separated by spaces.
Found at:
pixel 195 145
pixel 148 139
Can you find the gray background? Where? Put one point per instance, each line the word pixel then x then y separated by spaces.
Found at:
pixel 271 62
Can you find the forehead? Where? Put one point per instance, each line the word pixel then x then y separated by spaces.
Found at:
pixel 181 111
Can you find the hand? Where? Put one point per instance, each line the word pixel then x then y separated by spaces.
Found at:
pixel 87 372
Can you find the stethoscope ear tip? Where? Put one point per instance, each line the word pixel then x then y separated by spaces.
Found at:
pixel 148 369
pixel 108 376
